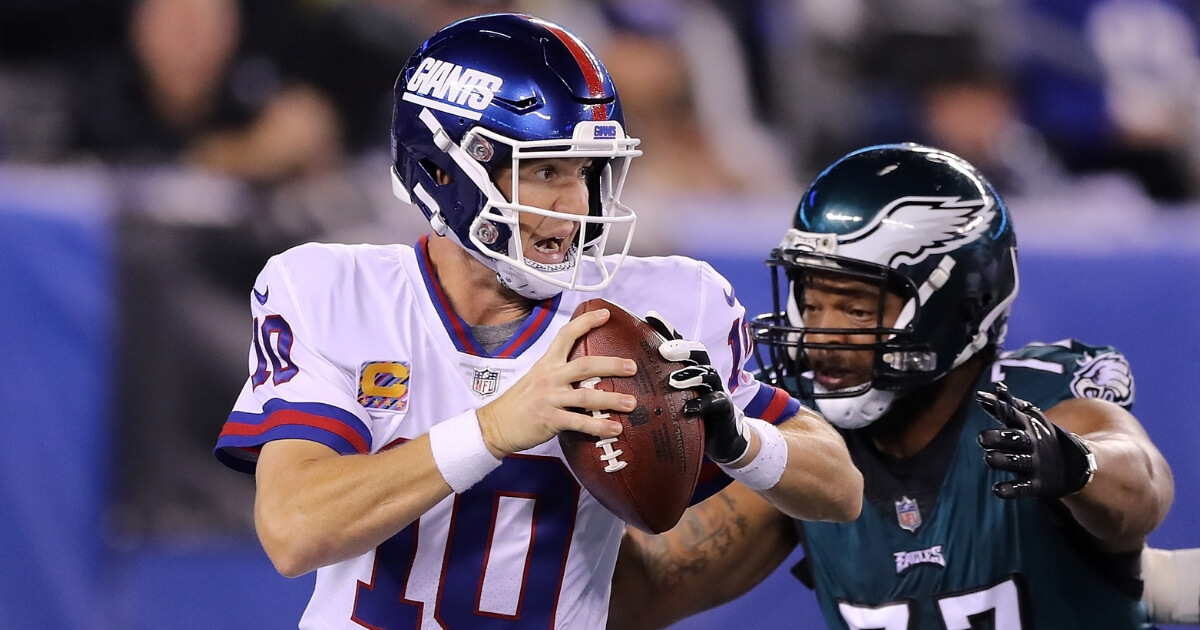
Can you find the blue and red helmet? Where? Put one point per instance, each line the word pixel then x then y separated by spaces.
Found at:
pixel 485 93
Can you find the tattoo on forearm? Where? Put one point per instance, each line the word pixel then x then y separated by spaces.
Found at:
pixel 706 533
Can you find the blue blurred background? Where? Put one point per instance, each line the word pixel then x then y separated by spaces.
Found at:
pixel 154 153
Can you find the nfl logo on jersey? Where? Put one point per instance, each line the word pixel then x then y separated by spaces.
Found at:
pixel 907 514
pixel 485 381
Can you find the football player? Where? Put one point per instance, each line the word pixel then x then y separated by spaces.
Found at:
pixel 402 400
pixel 1014 486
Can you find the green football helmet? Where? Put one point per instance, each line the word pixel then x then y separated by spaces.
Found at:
pixel 918 222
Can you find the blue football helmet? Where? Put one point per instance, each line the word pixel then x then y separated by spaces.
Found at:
pixel 487 92
pixel 917 222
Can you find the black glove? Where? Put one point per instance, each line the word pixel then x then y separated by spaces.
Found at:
pixel 1046 461
pixel 724 432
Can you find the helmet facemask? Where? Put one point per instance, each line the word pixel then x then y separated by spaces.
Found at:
pixel 494 236
pixel 880 356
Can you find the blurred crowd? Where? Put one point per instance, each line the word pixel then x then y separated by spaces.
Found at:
pixel 755 93
pixel 236 128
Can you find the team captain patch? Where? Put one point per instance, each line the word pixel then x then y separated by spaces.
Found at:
pixel 383 385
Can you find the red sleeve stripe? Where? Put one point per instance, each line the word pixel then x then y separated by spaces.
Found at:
pixel 779 403
pixel 294 417
pixel 771 404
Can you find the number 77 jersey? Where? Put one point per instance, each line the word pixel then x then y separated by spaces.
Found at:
pixel 935 548
pixel 357 348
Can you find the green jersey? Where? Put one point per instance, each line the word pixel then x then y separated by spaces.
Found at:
pixel 935 548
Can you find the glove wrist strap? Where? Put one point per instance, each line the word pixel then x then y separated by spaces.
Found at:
pixel 1088 462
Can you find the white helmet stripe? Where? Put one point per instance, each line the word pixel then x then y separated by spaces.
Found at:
pixel 442 107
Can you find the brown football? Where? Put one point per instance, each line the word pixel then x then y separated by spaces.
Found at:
pixel 647 474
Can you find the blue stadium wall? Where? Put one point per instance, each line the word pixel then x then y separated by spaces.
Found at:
pixel 61 570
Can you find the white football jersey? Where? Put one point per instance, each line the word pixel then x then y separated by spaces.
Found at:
pixel 356 347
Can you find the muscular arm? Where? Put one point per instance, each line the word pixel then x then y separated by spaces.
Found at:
pixel 1132 488
pixel 313 507
pixel 720 549
pixel 821 482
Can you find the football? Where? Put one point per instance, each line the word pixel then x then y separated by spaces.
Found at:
pixel 647 474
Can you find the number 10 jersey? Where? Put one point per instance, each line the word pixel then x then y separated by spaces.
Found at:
pixel 357 347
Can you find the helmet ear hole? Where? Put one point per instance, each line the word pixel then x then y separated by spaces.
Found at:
pixel 436 174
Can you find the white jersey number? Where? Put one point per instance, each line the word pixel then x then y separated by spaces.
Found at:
pixel 1001 602
pixel 500 565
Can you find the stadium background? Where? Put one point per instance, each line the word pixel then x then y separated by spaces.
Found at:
pixel 116 282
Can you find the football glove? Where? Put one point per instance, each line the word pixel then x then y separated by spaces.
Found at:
pixel 725 434
pixel 1046 461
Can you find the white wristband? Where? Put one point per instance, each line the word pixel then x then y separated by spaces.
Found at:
pixel 765 470
pixel 460 452
pixel 1172 579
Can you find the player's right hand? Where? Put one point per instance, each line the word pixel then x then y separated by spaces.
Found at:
pixel 544 402
pixel 1046 461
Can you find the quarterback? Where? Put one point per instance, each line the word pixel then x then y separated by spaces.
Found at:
pixel 402 401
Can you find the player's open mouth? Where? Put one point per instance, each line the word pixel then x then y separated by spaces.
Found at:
pixel 833 380
pixel 550 251
pixel 550 246
pixel 562 258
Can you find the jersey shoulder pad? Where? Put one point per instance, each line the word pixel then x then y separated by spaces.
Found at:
pixel 688 293
pixel 655 272
pixel 326 271
pixel 323 263
pixel 1045 374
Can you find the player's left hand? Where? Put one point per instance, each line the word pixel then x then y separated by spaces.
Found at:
pixel 1046 461
pixel 725 434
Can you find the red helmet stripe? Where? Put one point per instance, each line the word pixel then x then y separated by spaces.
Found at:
pixel 588 64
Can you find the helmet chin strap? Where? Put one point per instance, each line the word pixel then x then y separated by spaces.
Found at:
pixel 522 284
pixel 530 286
pixel 854 412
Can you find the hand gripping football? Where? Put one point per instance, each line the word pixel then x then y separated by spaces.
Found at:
pixel 647 474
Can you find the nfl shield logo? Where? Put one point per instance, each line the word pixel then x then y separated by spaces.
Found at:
pixel 485 381
pixel 907 514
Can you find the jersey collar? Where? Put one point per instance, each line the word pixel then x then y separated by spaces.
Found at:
pixel 459 331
